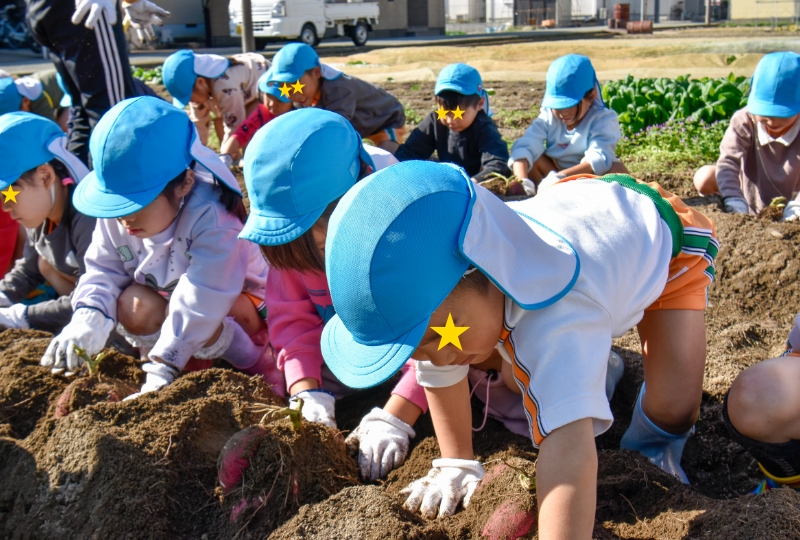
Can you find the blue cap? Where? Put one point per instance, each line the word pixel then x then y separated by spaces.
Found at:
pixel 273 90
pixel 294 167
pixel 775 90
pixel 138 147
pixel 28 140
pixel 568 80
pixel 459 78
pixel 292 61
pixel 181 69
pixel 66 99
pixel 10 98
pixel 394 234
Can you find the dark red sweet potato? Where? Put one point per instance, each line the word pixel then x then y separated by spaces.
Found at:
pixel 234 459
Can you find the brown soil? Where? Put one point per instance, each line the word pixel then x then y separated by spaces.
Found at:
pixel 147 468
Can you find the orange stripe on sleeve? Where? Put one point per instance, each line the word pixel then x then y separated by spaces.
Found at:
pixel 523 378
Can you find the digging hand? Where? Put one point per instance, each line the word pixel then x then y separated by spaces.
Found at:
pixel 142 15
pixel 318 406
pixel 95 9
pixel 551 178
pixel 5 301
pixel 736 205
pixel 791 212
pixel 159 375
pixel 15 316
pixel 447 483
pixel 382 440
pixel 89 329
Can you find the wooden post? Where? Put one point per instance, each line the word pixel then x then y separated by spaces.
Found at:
pixel 643 16
pixel 248 41
pixel 708 11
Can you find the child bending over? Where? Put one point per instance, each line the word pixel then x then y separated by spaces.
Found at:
pixel 446 272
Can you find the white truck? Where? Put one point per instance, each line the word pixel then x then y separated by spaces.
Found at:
pixel 306 20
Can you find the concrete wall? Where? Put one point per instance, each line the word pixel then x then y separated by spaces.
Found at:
pixel 436 15
pixel 186 20
pixel 220 31
pixel 749 10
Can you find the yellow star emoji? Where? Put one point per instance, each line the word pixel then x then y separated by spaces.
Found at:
pixel 441 113
pixel 10 194
pixel 285 90
pixel 449 333
pixel 458 113
pixel 298 88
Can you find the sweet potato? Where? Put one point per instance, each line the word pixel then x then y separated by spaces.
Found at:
pixel 509 522
pixel 234 459
pixel 90 390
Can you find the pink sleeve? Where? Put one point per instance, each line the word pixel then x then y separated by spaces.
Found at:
pixel 295 326
pixel 407 387
pixel 257 119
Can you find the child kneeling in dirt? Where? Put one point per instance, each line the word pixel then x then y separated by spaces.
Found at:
pixel 38 176
pixel 375 114
pixel 271 105
pixel 461 131
pixel 291 200
pixel 761 412
pixel 165 261
pixel 759 156
pixel 212 83
pixel 575 132
pixel 445 272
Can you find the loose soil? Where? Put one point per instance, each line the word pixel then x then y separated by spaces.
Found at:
pixel 148 468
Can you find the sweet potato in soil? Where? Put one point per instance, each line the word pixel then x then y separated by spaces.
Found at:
pixel 147 468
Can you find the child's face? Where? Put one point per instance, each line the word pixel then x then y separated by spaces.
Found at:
pixel 572 116
pixel 159 214
pixel 777 126
pixel 481 312
pixel 276 106
pixel 34 200
pixel 467 118
pixel 311 81
pixel 201 91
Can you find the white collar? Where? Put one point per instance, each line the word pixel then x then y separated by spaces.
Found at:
pixel 764 138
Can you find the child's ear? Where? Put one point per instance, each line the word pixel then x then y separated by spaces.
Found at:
pixel 186 186
pixel 25 106
pixel 481 104
pixel 46 175
pixel 317 74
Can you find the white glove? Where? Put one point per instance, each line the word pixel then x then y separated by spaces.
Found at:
pixel 226 159
pixel 529 186
pixel 791 212
pixel 318 406
pixel 736 205
pixel 449 481
pixel 551 178
pixel 95 9
pixel 382 441
pixel 159 375
pixel 15 316
pixel 88 329
pixel 142 15
pixel 5 301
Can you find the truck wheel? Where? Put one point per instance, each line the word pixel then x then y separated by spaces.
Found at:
pixel 360 34
pixel 308 35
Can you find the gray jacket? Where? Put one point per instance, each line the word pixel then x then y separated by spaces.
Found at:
pixel 64 249
pixel 369 108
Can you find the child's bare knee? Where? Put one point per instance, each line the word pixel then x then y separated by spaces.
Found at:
pixel 139 312
pixel 757 402
pixel 705 180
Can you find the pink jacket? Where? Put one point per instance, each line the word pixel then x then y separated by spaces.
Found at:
pixel 298 306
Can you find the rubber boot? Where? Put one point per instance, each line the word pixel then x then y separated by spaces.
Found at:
pixel 663 449
pixel 616 367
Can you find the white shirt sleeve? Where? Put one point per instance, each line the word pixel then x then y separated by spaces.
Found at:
pixel 531 145
pixel 603 136
pixel 380 157
pixel 430 376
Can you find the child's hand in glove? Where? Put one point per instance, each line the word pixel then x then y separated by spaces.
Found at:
pixel 791 212
pixel 449 481
pixel 14 317
pixel 382 441
pixel 142 15
pixel 159 375
pixel 89 329
pixel 318 406
pixel 736 205
pixel 95 9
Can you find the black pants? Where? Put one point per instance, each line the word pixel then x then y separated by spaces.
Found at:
pixel 93 63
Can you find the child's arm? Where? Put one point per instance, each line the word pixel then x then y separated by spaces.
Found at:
pixel 200 115
pixel 531 145
pixel 566 482
pixel 738 139
pixel 231 104
pixel 24 277
pixel 494 151
pixel 604 133
pixel 451 413
pixel 421 143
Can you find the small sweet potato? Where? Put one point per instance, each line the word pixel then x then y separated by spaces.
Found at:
pixel 509 522
pixel 234 459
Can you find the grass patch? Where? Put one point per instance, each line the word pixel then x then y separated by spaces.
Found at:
pixel 412 115
pixel 515 118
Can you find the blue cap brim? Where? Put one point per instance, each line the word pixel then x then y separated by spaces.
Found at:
pixel 277 230
pixel 559 102
pixel 364 366
pixel 93 202
pixel 766 108
pixel 452 86
pixel 181 104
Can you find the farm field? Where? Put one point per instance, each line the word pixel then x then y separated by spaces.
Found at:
pixel 77 463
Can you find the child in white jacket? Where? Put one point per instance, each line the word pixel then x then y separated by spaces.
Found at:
pixel 165 261
pixel 575 132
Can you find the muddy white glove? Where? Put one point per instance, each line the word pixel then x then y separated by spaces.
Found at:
pixel 382 441
pixel 318 406
pixel 528 186
pixel 5 301
pixel 95 9
pixel 736 205
pixel 88 329
pixel 449 481
pixel 791 212
pixel 159 375
pixel 15 316
pixel 551 178
pixel 142 15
